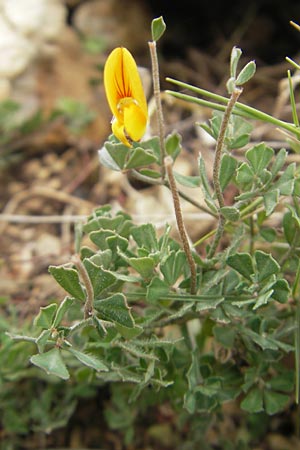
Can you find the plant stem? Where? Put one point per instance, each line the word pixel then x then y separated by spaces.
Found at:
pixel 168 163
pixel 216 168
pixel 89 303
pixel 159 112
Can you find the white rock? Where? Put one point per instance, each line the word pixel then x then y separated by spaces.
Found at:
pixel 15 51
pixel 54 20
pixel 42 17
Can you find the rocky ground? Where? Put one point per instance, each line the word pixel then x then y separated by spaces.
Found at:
pixel 50 176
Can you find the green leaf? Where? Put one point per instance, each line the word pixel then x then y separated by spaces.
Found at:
pixel 211 387
pixel 69 279
pixel 52 363
pixel 172 266
pixel 212 303
pixel 287 180
pixel 197 402
pixel 264 342
pixel 271 199
pixel 62 309
pixel 275 401
pixel 246 73
pixel 129 333
pixel 253 402
pixel 145 236
pixel 101 279
pixel 230 213
pixel 281 291
pixel 99 326
pixel 262 299
pixel 150 173
pixel 173 145
pixel 239 141
pixel 115 309
pixel 157 290
pixel 107 223
pixel 139 157
pixel 144 266
pixel 236 53
pixel 227 170
pixel 101 258
pixel 88 360
pixel 41 341
pixel 290 227
pixel 259 156
pixel 45 316
pixel 107 239
pixel 152 145
pixel 187 180
pixel 114 154
pixel 242 263
pixel 279 161
pixel 244 175
pixel 158 28
pixel 283 382
pixel 266 265
pixel 193 374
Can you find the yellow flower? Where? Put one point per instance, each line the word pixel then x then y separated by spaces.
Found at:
pixel 125 96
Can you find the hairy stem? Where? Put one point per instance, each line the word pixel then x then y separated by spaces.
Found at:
pixel 168 163
pixel 159 112
pixel 216 168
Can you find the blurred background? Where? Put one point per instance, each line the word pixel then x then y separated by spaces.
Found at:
pixel 54 118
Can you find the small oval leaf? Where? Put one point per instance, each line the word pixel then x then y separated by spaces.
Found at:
pixel 246 73
pixel 158 28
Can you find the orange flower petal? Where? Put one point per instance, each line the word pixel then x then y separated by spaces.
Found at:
pixel 125 94
pixel 135 121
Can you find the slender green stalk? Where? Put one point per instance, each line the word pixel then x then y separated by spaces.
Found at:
pixel 216 169
pixel 293 63
pixel 239 108
pixel 252 234
pixel 159 111
pixel 168 163
pixel 89 303
pixel 292 99
pixel 250 209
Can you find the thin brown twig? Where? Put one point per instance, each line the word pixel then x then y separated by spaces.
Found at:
pixel 159 111
pixel 216 169
pixel 180 223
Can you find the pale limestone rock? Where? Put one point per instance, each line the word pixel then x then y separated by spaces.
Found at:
pixel 44 18
pixel 29 32
pixel 15 51
pixel 26 28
